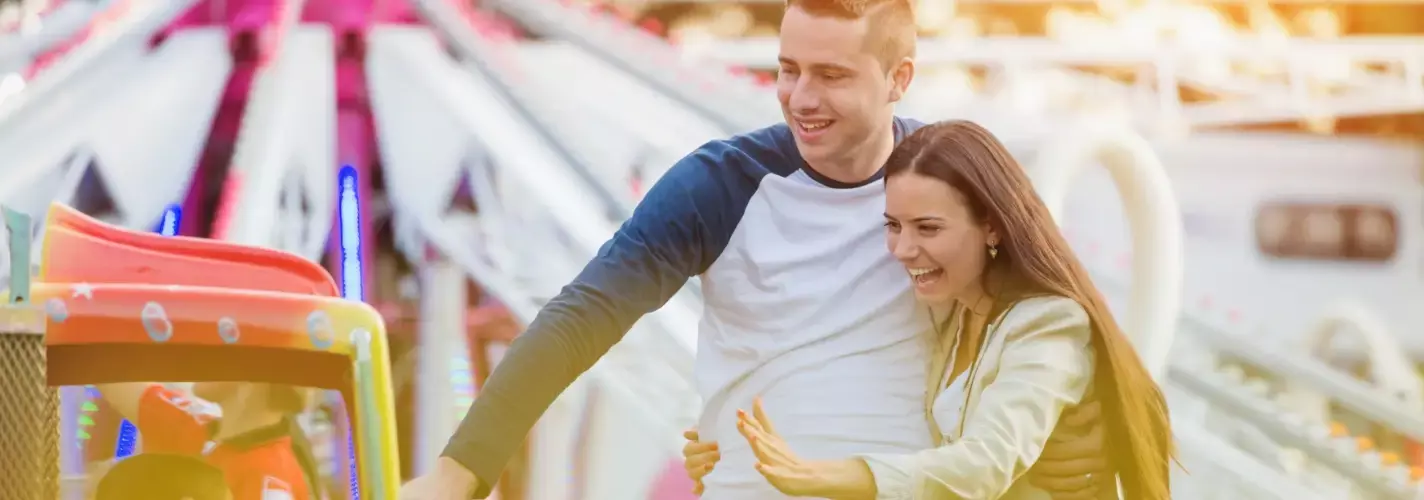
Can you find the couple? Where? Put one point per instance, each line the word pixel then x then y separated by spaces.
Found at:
pixel 1020 336
pixel 787 227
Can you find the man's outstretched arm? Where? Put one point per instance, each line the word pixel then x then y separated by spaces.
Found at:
pixel 675 233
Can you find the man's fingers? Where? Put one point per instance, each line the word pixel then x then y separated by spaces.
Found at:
pixel 1070 446
pixel 1060 485
pixel 700 472
pixel 701 460
pixel 697 488
pixel 1084 494
pixel 1070 468
pixel 1082 414
pixel 690 435
pixel 698 448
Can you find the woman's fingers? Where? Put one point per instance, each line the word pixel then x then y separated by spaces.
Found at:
pixel 757 440
pixel 768 448
pixel 745 418
pixel 762 420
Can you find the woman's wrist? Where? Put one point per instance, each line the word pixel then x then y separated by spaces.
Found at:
pixel 843 480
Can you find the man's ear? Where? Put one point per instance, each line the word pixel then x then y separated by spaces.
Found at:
pixel 901 74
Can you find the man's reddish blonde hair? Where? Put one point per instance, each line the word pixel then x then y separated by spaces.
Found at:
pixel 891 33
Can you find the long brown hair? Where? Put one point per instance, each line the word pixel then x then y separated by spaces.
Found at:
pixel 1035 260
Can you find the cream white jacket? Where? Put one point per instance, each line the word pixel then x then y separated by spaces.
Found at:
pixel 1035 361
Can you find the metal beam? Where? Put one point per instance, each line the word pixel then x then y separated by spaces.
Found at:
pixel 728 101
pixel 289 129
pixel 481 59
pixel 134 28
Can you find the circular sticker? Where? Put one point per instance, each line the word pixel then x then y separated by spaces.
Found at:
pixel 156 323
pixel 57 310
pixel 319 330
pixel 227 329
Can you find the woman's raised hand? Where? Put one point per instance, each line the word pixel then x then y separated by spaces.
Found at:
pixel 775 460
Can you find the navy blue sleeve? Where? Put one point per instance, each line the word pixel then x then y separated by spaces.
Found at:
pixel 677 231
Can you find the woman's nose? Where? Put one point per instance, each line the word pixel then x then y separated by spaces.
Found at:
pixel 905 249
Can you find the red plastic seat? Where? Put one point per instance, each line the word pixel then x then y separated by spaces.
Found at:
pixel 81 249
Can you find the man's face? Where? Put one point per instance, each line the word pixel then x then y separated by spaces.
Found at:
pixel 834 92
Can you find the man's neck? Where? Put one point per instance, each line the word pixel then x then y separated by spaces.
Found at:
pixel 863 163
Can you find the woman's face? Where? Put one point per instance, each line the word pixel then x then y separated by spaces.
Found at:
pixel 929 229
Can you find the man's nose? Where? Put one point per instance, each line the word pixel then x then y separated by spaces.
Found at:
pixel 805 97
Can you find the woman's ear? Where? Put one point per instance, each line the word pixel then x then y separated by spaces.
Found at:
pixel 991 236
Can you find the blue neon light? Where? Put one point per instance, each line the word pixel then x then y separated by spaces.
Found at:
pixel 353 277
pixel 352 269
pixel 169 224
pixel 128 432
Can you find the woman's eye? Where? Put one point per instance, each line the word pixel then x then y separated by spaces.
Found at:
pixel 929 230
pixel 893 226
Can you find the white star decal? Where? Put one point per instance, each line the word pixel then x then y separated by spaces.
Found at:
pixel 83 290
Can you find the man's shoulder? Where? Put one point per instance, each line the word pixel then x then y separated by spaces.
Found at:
pixel 767 150
pixel 908 125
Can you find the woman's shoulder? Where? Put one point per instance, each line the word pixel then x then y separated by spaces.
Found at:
pixel 1046 307
pixel 1047 327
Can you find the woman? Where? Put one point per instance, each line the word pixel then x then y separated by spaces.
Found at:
pixel 1023 334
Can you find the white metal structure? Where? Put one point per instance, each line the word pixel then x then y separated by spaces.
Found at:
pixel 528 201
pixel 1155 221
pixel 87 129
pixel 1401 91
pixel 19 48
pixel 1388 367
pixel 285 155
pixel 129 32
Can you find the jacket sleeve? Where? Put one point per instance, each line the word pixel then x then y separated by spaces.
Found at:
pixel 1046 366
pixel 675 233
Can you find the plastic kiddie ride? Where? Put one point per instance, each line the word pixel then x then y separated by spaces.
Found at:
pixel 120 306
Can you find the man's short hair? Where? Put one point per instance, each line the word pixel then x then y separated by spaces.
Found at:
pixel 891 33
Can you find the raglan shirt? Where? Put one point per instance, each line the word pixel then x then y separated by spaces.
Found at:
pixel 795 275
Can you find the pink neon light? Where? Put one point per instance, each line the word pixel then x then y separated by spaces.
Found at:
pixel 263 23
pixel 222 220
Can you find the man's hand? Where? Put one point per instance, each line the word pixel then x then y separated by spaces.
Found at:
pixel 699 458
pixel 1074 464
pixel 449 481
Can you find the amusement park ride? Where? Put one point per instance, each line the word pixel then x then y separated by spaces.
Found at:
pixel 449 173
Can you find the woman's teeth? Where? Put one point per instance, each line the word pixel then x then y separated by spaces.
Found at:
pixel 925 274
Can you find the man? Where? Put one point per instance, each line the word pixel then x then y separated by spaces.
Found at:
pixel 244 429
pixel 804 305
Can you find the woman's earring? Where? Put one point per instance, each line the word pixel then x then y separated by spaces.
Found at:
pixel 993 251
